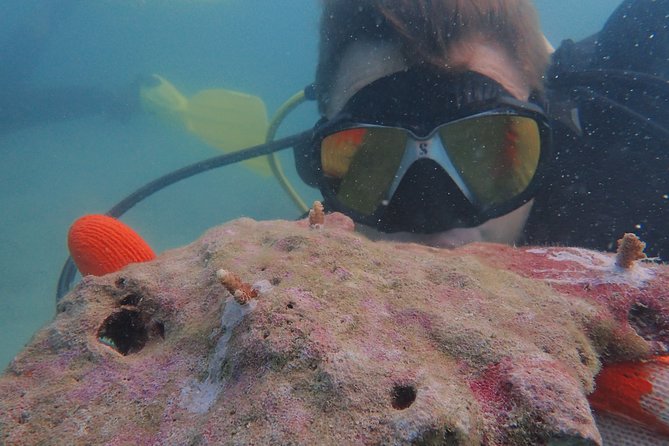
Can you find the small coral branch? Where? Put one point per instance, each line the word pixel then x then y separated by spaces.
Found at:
pixel 630 249
pixel 316 215
pixel 242 292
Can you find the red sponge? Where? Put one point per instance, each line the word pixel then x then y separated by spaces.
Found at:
pixel 100 245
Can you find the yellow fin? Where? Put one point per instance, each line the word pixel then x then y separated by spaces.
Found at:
pixel 163 99
pixel 225 119
pixel 229 120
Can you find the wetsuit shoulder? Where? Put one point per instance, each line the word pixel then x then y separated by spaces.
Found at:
pixel 609 97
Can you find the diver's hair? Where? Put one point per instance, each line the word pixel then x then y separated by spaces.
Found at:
pixel 425 30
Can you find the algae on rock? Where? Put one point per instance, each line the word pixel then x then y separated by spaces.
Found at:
pixel 349 341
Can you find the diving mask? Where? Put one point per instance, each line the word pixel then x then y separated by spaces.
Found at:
pixel 458 155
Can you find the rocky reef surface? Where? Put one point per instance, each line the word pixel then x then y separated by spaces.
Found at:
pixel 347 342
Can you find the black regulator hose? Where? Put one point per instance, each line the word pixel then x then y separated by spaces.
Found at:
pixel 70 270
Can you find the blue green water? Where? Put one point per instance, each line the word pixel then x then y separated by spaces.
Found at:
pixel 55 171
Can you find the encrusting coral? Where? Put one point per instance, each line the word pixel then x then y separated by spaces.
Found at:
pixel 630 249
pixel 242 292
pixel 353 342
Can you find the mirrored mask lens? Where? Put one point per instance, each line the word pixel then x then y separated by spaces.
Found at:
pixel 361 163
pixel 496 156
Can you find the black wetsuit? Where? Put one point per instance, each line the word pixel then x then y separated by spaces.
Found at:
pixel 611 169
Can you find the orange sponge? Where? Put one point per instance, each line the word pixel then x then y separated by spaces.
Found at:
pixel 100 245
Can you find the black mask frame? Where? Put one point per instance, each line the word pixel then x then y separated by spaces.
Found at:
pixel 392 101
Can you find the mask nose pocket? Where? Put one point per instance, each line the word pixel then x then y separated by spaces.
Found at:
pixel 426 201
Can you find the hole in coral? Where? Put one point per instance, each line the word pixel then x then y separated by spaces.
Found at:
pixel 158 329
pixel 649 323
pixel 120 282
pixel 131 299
pixel 275 281
pixel 24 417
pixel 125 331
pixel 290 305
pixel 403 396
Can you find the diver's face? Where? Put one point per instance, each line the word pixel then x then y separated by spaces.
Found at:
pixel 365 62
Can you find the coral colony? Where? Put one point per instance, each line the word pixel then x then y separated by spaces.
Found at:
pixel 316 215
pixel 274 333
pixel 630 249
pixel 242 292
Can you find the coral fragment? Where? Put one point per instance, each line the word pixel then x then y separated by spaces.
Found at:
pixel 242 292
pixel 630 249
pixel 316 215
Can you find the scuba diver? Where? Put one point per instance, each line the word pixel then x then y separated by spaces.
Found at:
pixel 446 132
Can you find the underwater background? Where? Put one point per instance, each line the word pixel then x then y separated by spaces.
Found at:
pixel 53 170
